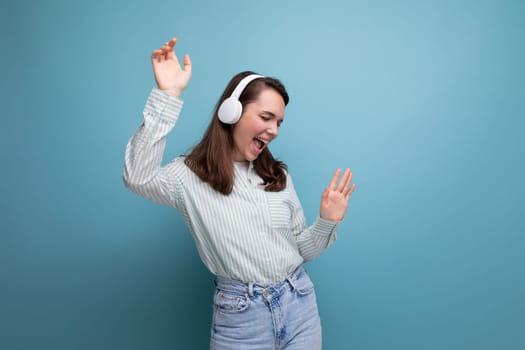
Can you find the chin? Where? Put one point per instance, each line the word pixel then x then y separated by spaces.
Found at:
pixel 251 157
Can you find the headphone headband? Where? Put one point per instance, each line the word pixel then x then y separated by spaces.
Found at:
pixel 242 85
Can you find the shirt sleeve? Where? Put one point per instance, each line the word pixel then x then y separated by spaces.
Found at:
pixel 313 240
pixel 143 173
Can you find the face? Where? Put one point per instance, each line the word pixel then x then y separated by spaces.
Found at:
pixel 258 126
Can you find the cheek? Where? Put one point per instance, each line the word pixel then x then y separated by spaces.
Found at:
pixel 247 127
pixel 239 137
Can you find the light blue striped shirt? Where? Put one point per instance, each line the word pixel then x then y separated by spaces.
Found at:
pixel 250 235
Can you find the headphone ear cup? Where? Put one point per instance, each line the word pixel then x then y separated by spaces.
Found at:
pixel 230 111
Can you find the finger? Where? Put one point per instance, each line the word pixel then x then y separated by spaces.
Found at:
pixel 171 44
pixel 160 54
pixel 324 196
pixel 348 180
pixel 349 191
pixel 187 63
pixel 171 52
pixel 334 179
pixel 155 55
pixel 344 181
pixel 166 50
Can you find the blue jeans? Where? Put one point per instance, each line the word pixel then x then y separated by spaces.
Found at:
pixel 249 316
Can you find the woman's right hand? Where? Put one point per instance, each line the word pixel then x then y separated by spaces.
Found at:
pixel 169 75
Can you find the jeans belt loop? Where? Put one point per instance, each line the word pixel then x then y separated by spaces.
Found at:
pixel 291 282
pixel 250 289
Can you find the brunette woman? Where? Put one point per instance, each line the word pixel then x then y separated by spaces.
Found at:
pixel 240 206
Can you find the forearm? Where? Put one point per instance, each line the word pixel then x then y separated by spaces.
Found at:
pixel 145 149
pixel 314 240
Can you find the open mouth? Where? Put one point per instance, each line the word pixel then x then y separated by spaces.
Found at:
pixel 259 144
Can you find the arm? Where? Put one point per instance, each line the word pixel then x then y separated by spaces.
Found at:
pixel 142 170
pixel 313 240
pixel 142 165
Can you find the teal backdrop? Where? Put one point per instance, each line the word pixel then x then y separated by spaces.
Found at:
pixel 423 100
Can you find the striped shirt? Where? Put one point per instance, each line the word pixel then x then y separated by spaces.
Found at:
pixel 250 235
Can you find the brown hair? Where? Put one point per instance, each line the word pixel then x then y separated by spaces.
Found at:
pixel 211 159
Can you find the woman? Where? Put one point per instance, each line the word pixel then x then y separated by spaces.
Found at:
pixel 240 206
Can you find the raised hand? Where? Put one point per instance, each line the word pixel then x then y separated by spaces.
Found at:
pixel 334 200
pixel 169 75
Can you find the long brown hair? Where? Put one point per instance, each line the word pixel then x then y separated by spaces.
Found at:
pixel 211 159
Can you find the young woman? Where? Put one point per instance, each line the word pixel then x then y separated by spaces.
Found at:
pixel 240 206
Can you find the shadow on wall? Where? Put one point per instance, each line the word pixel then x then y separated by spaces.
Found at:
pixel 183 295
pixel 164 298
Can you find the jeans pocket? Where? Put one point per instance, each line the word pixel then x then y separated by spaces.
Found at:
pixel 230 302
pixel 303 284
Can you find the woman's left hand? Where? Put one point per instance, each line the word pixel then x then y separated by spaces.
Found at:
pixel 334 200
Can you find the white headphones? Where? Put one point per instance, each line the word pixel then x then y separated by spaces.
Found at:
pixel 230 109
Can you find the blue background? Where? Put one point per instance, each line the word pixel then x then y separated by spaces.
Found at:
pixel 424 100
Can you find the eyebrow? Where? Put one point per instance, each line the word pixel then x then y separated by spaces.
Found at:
pixel 268 112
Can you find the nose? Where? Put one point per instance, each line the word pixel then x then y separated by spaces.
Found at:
pixel 273 130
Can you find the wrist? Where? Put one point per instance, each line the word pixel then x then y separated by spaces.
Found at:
pixel 173 92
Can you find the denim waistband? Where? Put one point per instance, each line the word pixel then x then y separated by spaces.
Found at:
pixel 227 284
